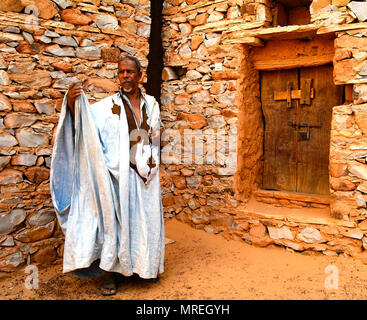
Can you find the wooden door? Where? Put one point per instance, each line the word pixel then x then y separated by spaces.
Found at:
pixel 297 106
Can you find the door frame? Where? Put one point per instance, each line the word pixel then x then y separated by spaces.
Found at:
pixel 248 177
pixel 293 152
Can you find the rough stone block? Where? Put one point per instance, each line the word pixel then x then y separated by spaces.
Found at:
pixel 5 104
pixel 319 6
pixel 359 9
pixel 74 16
pixel 258 230
pixel 37 174
pixel 110 54
pixel 10 176
pixel 7 140
pixel 340 3
pixel 12 262
pixel 19 120
pixel 89 53
pixel 45 255
pixel 310 235
pixel 46 9
pixel 101 85
pixel 36 233
pixel 10 221
pixel 27 137
pixel 280 233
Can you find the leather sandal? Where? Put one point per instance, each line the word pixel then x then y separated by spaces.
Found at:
pixel 109 287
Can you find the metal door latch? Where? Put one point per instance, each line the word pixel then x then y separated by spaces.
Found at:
pixel 303 135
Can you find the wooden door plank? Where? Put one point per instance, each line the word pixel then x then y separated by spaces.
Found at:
pixel 313 154
pixel 306 88
pixel 279 136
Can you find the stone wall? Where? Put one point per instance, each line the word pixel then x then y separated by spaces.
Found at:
pixel 350 64
pixel 348 151
pixel 199 101
pixel 44 46
pixel 332 12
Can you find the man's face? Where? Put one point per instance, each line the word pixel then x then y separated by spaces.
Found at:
pixel 129 76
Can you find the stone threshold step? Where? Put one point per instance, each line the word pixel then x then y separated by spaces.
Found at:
pixel 293 217
pixel 289 195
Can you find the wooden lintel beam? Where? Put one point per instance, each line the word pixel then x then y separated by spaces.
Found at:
pixel 276 64
pixel 274 33
pixel 293 54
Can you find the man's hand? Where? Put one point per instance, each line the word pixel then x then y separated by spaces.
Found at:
pixel 75 91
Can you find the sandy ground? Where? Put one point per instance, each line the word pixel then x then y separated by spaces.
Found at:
pixel 202 266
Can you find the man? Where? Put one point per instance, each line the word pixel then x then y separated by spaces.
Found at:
pixel 105 182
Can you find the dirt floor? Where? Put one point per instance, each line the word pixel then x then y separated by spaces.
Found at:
pixel 203 266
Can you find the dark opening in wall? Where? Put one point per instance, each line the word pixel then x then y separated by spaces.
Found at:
pixel 155 56
pixel 292 12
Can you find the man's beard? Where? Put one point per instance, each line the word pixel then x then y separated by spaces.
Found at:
pixel 127 90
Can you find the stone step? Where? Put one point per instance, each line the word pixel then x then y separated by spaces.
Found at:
pixel 288 195
pixel 258 213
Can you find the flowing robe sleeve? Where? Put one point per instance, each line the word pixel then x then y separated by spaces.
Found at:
pixel 82 190
pixel 62 160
